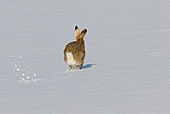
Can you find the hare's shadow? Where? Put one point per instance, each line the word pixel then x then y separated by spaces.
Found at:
pixel 88 66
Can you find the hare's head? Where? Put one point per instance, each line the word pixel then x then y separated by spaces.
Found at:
pixel 80 35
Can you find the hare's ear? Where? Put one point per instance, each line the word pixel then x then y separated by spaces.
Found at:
pixel 77 31
pixel 83 33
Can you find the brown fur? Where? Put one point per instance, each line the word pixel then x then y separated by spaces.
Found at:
pixel 80 36
pixel 77 48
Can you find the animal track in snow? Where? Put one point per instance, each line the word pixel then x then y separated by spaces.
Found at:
pixel 24 70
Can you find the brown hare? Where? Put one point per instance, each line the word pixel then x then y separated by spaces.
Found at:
pixel 74 52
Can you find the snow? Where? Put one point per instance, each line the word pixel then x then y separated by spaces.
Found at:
pixel 126 68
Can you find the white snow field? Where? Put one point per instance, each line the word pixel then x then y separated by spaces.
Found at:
pixel 126 69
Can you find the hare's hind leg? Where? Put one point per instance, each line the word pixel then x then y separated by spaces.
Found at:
pixel 71 67
pixel 79 66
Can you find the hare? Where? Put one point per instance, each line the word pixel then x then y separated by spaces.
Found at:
pixel 74 52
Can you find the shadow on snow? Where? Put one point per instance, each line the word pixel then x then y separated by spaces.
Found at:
pixel 88 66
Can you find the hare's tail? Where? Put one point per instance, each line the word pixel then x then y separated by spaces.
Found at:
pixel 70 58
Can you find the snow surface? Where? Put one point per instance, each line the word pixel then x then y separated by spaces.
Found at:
pixel 126 70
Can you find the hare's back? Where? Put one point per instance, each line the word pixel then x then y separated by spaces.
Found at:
pixel 74 46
